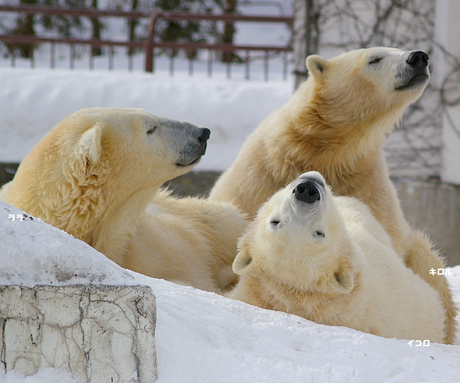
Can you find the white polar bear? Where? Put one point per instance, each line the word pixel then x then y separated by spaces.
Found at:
pixel 96 175
pixel 336 124
pixel 327 259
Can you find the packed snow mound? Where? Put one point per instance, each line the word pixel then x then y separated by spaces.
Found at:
pixel 203 337
pixel 33 101
pixel 35 253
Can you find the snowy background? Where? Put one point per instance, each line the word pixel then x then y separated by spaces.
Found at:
pixel 203 337
pixel 32 101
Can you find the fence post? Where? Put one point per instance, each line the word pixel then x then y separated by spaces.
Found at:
pixel 266 66
pixel 149 54
pixel 210 53
pixel 13 55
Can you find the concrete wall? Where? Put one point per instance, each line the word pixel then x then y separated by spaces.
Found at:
pixel 102 334
pixel 434 207
pixel 447 77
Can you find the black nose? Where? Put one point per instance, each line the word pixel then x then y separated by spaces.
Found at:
pixel 205 133
pixel 307 192
pixel 418 59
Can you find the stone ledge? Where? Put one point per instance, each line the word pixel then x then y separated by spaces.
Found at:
pixel 100 333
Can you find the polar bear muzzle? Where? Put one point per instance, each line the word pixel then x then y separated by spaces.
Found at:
pixel 307 192
pixel 414 71
pixel 194 149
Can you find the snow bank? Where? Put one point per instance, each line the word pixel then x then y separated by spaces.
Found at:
pixel 33 101
pixel 203 337
pixel 35 253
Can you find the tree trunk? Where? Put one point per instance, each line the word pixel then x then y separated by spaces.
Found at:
pixel 229 30
pixel 132 26
pixel 97 26
pixel 25 26
pixel 305 36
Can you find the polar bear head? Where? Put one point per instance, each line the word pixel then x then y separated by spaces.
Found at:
pixel 367 84
pixel 134 144
pixel 103 164
pixel 298 239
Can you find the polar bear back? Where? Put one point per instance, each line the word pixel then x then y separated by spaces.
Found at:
pixel 400 302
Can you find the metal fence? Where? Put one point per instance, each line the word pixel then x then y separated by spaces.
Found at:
pixel 151 45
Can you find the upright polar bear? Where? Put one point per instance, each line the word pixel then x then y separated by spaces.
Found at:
pixel 336 124
pixel 327 259
pixel 96 175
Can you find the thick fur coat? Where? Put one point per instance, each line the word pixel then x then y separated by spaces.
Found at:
pixel 328 260
pixel 97 176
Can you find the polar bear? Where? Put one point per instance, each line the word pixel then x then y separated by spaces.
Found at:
pixel 336 123
pixel 97 176
pixel 328 260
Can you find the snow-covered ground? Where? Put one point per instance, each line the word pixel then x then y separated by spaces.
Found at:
pixel 32 101
pixel 203 337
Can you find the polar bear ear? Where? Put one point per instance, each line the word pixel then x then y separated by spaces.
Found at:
pixel 87 152
pixel 90 144
pixel 342 281
pixel 317 66
pixel 243 262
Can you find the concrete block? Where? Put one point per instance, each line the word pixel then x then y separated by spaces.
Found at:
pixel 434 207
pixel 100 333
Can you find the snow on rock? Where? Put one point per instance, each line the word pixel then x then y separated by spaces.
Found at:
pixel 33 101
pixel 203 337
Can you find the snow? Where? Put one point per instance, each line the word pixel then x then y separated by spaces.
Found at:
pixel 203 337
pixel 52 256
pixel 32 101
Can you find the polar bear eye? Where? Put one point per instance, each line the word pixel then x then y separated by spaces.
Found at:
pixel 151 130
pixel 274 222
pixel 375 60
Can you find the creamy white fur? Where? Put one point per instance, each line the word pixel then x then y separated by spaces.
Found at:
pixel 97 176
pixel 350 277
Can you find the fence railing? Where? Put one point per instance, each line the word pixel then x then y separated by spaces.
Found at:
pixel 150 45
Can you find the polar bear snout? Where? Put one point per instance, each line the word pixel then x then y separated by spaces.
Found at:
pixel 418 60
pixel 204 136
pixel 195 147
pixel 413 71
pixel 307 191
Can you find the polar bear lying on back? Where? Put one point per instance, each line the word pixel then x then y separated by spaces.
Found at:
pixel 327 259
pixel 96 175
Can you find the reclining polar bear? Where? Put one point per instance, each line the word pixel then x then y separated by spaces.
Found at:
pixel 96 175
pixel 327 259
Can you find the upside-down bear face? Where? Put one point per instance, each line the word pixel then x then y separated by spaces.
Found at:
pixel 297 235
